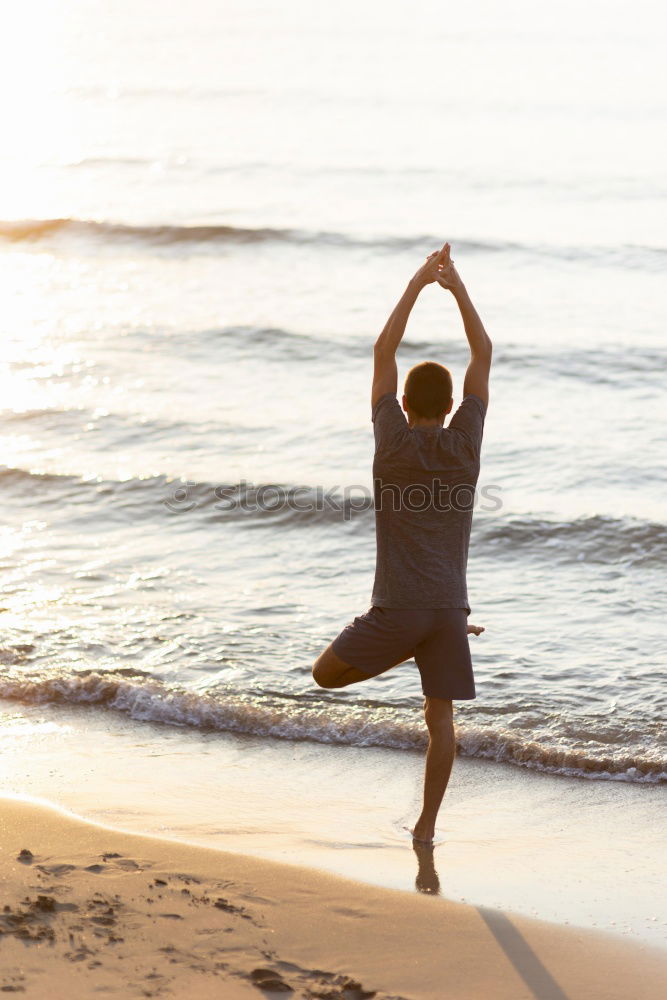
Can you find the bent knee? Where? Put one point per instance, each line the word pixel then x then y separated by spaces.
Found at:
pixel 321 670
pixel 316 671
pixel 319 676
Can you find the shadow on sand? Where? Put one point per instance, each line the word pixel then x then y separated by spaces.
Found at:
pixel 537 978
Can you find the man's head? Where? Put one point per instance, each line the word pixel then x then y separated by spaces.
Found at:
pixel 428 392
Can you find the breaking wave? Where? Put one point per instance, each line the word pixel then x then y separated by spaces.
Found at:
pixel 322 720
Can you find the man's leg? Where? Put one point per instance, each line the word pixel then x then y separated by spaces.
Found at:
pixel 439 716
pixel 329 671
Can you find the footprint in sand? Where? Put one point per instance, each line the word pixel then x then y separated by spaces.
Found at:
pixel 57 870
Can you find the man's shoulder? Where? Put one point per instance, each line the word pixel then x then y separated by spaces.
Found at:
pixel 388 416
pixel 386 403
pixel 390 426
pixel 472 402
pixel 470 414
pixel 466 428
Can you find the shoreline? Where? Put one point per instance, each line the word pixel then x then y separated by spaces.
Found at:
pixel 95 909
pixel 307 717
pixel 534 845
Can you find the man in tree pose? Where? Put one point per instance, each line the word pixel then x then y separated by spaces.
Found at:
pixel 424 478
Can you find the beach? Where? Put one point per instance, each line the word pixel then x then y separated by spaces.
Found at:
pixel 207 215
pixel 585 853
pixel 88 910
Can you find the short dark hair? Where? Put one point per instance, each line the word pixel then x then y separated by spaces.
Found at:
pixel 428 389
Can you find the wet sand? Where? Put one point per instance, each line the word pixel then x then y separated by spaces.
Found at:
pixel 92 911
pixel 509 838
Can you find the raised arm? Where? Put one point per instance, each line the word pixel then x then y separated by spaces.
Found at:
pixel 385 374
pixel 477 375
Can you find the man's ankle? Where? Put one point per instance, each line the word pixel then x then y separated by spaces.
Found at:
pixel 424 827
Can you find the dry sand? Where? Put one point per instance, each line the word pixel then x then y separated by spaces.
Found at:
pixel 89 911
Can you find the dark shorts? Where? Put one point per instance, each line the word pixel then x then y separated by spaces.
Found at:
pixel 437 638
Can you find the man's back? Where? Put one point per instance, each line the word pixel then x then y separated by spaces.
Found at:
pixel 424 485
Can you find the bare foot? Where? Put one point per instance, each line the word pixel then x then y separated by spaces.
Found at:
pixel 475 629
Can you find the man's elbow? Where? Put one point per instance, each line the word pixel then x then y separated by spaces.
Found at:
pixel 380 349
pixel 485 350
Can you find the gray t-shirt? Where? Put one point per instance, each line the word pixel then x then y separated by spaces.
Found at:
pixel 424 490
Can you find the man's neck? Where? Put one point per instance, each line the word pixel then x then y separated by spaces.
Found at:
pixel 421 424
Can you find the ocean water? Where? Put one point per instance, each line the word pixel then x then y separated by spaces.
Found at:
pixel 208 211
